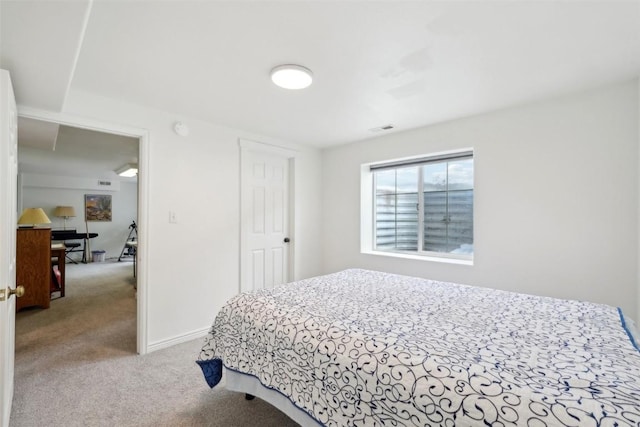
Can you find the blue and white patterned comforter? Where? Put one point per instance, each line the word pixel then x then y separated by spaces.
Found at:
pixel 364 348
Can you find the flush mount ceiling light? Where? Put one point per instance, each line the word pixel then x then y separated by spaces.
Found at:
pixel 129 170
pixel 291 76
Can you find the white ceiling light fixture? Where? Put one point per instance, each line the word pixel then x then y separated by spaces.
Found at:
pixel 291 76
pixel 129 170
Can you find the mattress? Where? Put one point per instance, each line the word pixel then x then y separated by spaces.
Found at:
pixel 360 347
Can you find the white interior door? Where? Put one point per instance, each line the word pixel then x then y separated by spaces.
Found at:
pixel 8 182
pixel 265 238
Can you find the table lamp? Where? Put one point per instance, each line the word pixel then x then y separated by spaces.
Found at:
pixel 33 216
pixel 64 212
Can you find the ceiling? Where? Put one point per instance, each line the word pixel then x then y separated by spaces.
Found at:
pixel 75 152
pixel 405 63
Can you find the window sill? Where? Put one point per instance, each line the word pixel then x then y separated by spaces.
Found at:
pixel 443 259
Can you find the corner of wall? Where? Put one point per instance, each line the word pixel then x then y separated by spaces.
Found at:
pixel 637 314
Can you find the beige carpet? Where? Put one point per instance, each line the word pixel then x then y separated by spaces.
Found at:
pixel 76 365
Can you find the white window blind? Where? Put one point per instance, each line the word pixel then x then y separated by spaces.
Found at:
pixel 425 205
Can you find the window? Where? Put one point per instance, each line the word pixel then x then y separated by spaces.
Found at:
pixel 424 206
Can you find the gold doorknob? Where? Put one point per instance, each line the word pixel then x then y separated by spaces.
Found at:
pixel 18 291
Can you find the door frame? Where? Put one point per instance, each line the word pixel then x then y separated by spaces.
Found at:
pixel 290 154
pixel 143 252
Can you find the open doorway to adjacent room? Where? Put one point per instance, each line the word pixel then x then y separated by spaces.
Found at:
pixel 72 174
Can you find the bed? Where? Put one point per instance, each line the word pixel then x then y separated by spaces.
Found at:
pixel 367 348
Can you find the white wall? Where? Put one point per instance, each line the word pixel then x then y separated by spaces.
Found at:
pixel 556 197
pixel 194 264
pixel 111 235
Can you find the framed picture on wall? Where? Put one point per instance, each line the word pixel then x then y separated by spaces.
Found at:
pixel 97 207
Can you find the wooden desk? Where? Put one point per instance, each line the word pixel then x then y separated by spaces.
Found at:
pixel 33 266
pixel 58 252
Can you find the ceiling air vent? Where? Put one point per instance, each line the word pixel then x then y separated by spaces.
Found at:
pixel 104 183
pixel 381 128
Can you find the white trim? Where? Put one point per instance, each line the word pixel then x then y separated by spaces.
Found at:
pixel 366 208
pixel 446 258
pixel 80 122
pixel 637 313
pixel 170 342
pixel 143 252
pixel 264 147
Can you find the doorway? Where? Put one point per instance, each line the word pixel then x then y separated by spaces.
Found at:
pixel 142 137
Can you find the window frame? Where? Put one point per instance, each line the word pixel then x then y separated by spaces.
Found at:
pixel 368 235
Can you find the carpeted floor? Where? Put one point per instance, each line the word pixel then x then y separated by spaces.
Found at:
pixel 76 365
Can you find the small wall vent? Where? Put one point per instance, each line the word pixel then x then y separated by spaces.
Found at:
pixel 381 128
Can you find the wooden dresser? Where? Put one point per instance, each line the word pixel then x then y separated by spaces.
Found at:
pixel 33 266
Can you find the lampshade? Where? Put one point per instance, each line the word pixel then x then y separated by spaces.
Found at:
pixel 129 170
pixel 33 216
pixel 64 211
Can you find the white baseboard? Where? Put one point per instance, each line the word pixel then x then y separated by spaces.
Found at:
pixel 170 342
